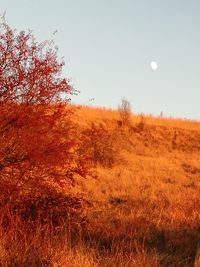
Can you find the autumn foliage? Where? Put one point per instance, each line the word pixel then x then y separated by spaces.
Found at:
pixel 39 145
pixel 37 135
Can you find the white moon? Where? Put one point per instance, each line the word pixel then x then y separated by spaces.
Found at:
pixel 154 65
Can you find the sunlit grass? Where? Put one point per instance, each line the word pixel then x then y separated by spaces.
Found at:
pixel 142 211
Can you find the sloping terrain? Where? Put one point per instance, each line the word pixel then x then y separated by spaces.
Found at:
pixel 145 208
pixel 138 206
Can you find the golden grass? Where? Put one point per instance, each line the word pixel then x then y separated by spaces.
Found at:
pixel 90 114
pixel 147 206
pixel 145 210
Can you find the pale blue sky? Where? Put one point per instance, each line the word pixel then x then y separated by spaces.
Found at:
pixel 108 46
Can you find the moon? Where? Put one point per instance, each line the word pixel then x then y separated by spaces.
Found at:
pixel 154 65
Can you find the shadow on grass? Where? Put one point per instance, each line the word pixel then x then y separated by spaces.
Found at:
pixel 174 247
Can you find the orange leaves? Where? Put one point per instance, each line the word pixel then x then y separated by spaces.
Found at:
pixel 29 71
pixel 37 134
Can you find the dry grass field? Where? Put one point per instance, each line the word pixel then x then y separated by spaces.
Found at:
pixel 142 199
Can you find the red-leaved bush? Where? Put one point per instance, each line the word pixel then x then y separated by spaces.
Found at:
pixel 39 153
pixel 37 136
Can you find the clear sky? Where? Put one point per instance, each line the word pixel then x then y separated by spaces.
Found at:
pixel 108 46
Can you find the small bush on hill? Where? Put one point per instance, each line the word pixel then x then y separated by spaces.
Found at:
pixel 125 111
pixel 98 145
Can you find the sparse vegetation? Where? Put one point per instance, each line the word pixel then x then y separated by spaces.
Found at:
pixel 124 109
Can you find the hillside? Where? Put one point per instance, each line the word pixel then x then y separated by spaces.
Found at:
pixel 145 208
pixel 136 206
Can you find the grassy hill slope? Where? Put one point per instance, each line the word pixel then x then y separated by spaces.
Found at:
pixel 145 208
pixel 138 206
